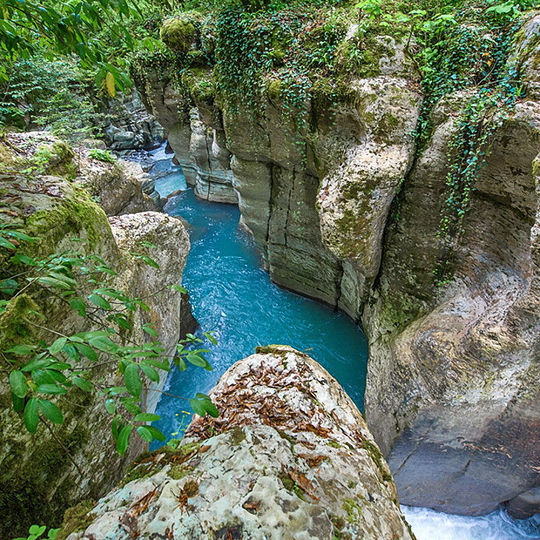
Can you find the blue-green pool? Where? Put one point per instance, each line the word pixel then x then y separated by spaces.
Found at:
pixel 233 296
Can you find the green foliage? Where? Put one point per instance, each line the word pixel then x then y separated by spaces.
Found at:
pixel 54 94
pixel 44 372
pixel 37 531
pixel 102 155
pixel 64 28
pixel 466 50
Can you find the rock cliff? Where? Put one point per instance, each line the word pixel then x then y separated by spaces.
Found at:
pixel 41 193
pixel 345 208
pixel 290 457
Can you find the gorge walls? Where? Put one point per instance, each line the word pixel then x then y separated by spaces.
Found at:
pixel 345 208
pixel 38 478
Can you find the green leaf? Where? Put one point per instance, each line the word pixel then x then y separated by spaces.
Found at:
pixel 145 433
pixel 132 380
pixel 58 345
pixel 6 243
pixel 110 406
pixel 51 389
pixel 8 286
pixel 116 426
pixel 99 301
pixel 149 261
pixel 78 305
pixel 211 338
pixel 156 433
pixel 24 259
pixel 111 293
pixel 197 407
pixel 107 270
pixel 54 283
pixel 123 439
pixel 181 363
pixel 130 405
pixel 196 360
pixel 147 417
pixel 31 415
pixel 18 403
pixel 83 384
pixel 103 343
pixel 36 363
pixel 36 530
pixel 62 277
pixel 178 288
pixel 150 330
pixel 87 351
pixel 211 409
pixel 21 236
pixel 71 351
pixel 43 376
pixel 21 350
pixel 18 383
pixel 203 404
pixel 151 373
pixel 117 390
pixel 51 411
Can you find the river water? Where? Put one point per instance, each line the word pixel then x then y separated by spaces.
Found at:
pixel 233 297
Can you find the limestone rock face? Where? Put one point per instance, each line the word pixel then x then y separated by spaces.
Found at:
pixel 167 306
pixel 452 391
pixel 289 458
pixel 355 197
pixel 129 126
pixel 316 201
pixel 37 480
pixel 200 152
pixel 453 371
pixel 117 187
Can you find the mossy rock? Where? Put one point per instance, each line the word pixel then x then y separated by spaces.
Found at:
pixel 179 34
pixel 76 519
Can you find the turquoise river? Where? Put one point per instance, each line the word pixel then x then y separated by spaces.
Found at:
pixel 234 297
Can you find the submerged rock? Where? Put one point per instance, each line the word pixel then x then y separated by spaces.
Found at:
pixel 290 457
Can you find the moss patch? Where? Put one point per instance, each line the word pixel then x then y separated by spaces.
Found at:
pixel 178 34
pixel 354 511
pixel 237 435
pixel 378 459
pixel 76 519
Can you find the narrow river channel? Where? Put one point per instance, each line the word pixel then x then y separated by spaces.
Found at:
pixel 233 296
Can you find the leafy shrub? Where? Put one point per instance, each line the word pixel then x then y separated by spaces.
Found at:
pixel 102 155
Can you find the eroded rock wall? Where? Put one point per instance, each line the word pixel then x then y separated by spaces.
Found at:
pixel 315 194
pixel 453 370
pixel 37 478
pixel 289 458
pixel 452 390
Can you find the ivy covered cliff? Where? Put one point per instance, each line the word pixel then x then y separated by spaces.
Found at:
pixel 383 159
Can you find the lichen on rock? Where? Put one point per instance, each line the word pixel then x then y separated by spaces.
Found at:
pixel 290 457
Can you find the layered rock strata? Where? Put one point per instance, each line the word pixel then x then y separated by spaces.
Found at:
pixel 452 388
